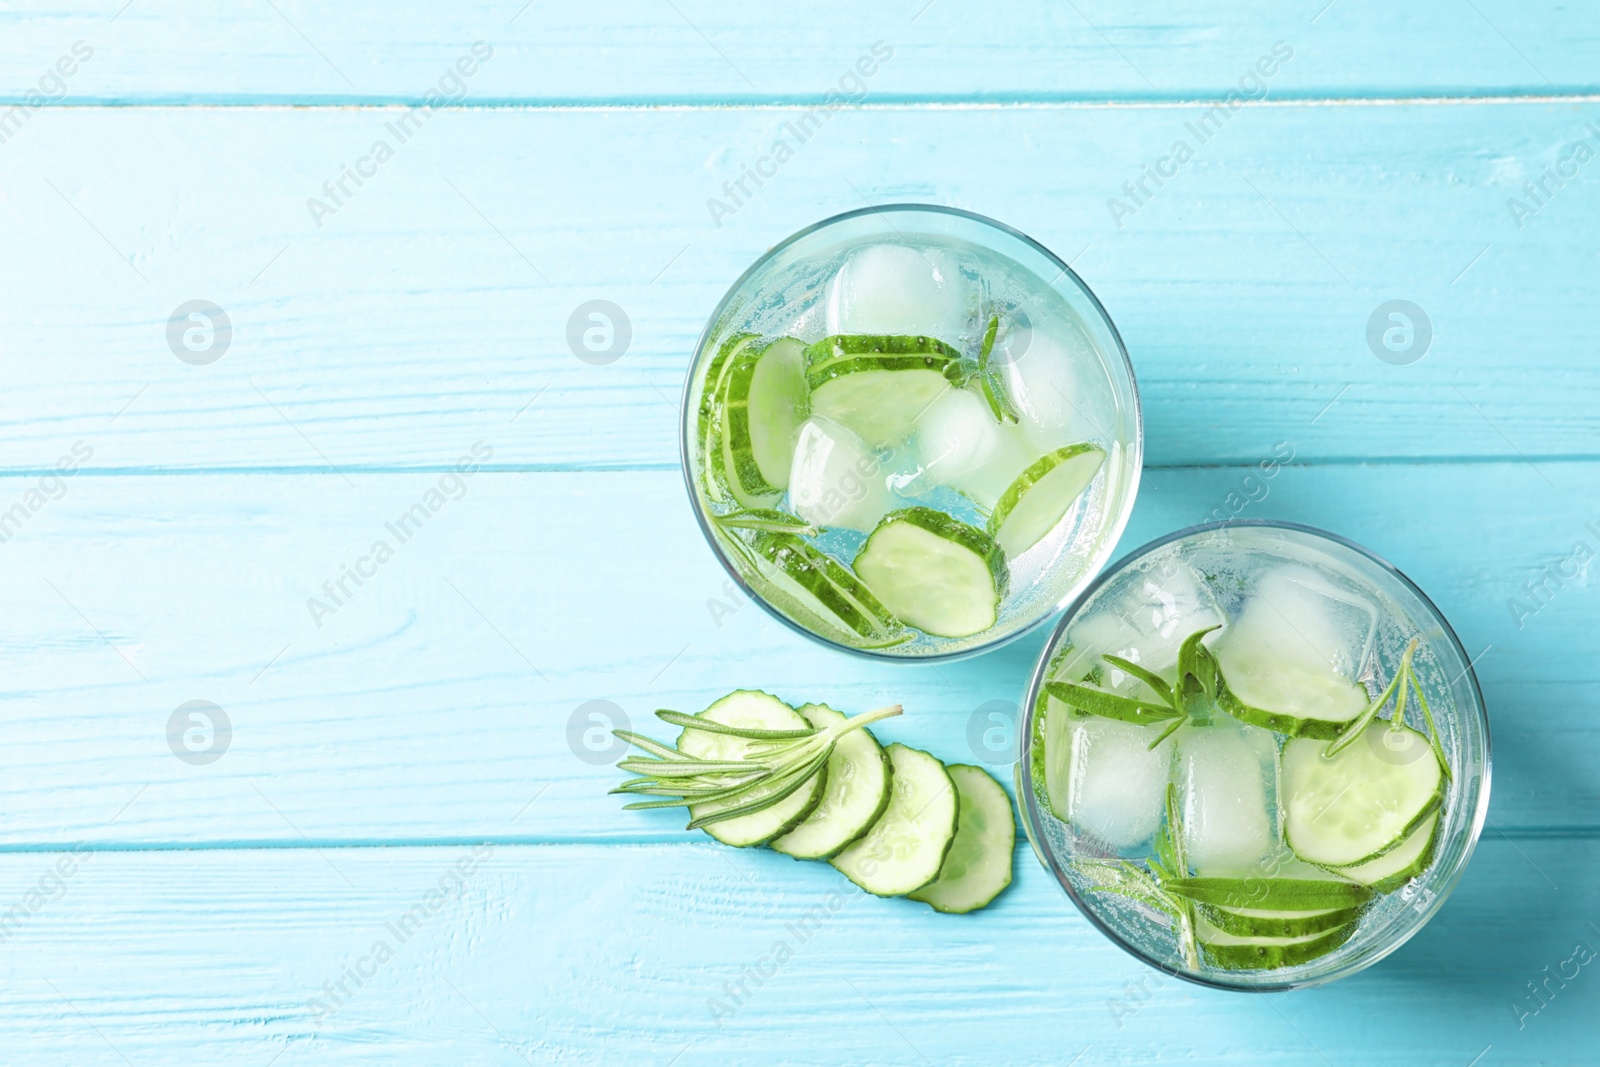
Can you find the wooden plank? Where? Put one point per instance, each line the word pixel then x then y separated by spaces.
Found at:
pixel 431 310
pixel 591 954
pixel 1021 49
pixel 436 702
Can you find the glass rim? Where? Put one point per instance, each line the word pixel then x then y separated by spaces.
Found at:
pixel 1028 802
pixel 1135 454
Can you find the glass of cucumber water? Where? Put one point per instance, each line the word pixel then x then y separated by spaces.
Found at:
pixel 1255 756
pixel 911 432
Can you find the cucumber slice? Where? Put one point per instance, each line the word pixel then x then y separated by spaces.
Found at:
pixel 856 793
pixel 1400 864
pixel 823 587
pixel 906 847
pixel 1236 952
pixel 1291 694
pixel 713 396
pixel 1042 495
pixel 978 865
pixel 879 386
pixel 1278 894
pixel 1276 922
pixel 755 710
pixel 934 572
pixel 766 404
pixel 1357 805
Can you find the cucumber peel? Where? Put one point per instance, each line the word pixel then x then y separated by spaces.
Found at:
pixel 855 794
pixel 1041 496
pixel 878 387
pixel 905 848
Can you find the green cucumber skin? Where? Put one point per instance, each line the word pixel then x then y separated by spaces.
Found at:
pixel 1282 893
pixel 1278 723
pixel 883 802
pixel 950 528
pixel 834 357
pixel 1031 476
pixel 1267 957
pixel 955 823
pixel 709 427
pixel 841 591
pixel 1010 867
pixel 1260 926
pixel 1401 877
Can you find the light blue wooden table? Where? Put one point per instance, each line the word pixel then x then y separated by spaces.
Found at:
pixel 410 751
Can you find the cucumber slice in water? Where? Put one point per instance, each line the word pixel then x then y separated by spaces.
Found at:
pixel 1278 894
pixel 978 865
pixel 906 847
pixel 822 586
pixel 879 386
pixel 709 422
pixel 1276 922
pixel 755 710
pixel 1400 864
pixel 1042 495
pixel 1362 802
pixel 1293 694
pixel 857 791
pixel 934 572
pixel 766 404
pixel 1237 952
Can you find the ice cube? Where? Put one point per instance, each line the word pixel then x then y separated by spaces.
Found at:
pixel 1102 776
pixel 836 480
pixel 986 482
pixel 956 436
pixel 1303 619
pixel 1226 774
pixel 895 289
pixel 1040 371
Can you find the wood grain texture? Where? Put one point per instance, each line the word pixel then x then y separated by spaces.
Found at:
pixel 432 308
pixel 436 703
pixel 695 50
pixel 589 954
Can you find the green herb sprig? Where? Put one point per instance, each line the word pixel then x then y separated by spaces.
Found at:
pixel 1192 699
pixel 1150 887
pixel 773 766
pixel 993 386
pixel 1403 683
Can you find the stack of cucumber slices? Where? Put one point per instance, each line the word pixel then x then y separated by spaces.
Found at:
pixel 878 480
pixel 814 784
pixel 1280 805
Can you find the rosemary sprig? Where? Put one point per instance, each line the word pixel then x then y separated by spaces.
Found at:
pixel 1191 700
pixel 1149 887
pixel 771 766
pixel 769 520
pixel 994 388
pixel 1401 686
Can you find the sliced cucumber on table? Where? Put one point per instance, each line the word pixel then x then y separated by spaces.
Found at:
pixel 1360 803
pixel 879 386
pixel 978 866
pixel 1042 495
pixel 905 848
pixel 934 572
pixel 751 709
pixel 1400 864
pixel 857 790
pixel 827 588
pixel 1241 952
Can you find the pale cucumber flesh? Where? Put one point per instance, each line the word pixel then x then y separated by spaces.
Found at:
pixel 856 792
pixel 1360 803
pixel 978 865
pixel 934 572
pixel 754 710
pixel 906 846
pixel 778 403
pixel 1401 863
